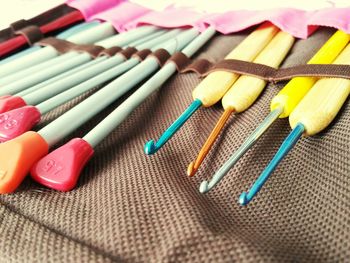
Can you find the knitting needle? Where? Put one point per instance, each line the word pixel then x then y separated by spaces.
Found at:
pixel 77 59
pixel 19 41
pixel 61 168
pixel 54 62
pixel 26 117
pixel 104 63
pixel 23 151
pixel 312 115
pixel 64 35
pixel 136 43
pixel 282 104
pixel 85 37
pixel 214 86
pixel 245 91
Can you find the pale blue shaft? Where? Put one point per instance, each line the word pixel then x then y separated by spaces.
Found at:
pixel 88 36
pixel 64 35
pixel 75 60
pixel 104 74
pixel 85 110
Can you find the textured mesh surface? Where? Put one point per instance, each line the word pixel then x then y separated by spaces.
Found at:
pixel 130 207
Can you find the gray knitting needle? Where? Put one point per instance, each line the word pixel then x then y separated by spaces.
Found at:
pixel 88 36
pixel 78 151
pixel 82 112
pixel 82 67
pixel 27 116
pixel 77 59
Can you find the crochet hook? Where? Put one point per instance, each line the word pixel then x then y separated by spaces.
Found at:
pixel 19 154
pixel 282 104
pixel 245 91
pixel 46 99
pixel 312 115
pixel 214 86
pixel 61 168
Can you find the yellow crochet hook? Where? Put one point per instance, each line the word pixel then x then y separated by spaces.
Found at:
pixel 312 115
pixel 245 91
pixel 214 86
pixel 282 104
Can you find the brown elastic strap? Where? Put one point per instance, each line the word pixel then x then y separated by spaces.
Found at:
pixel 142 54
pixel 64 46
pixel 180 60
pixel 22 23
pixel 128 52
pixel 161 55
pixel 32 34
pixel 110 52
pixel 269 73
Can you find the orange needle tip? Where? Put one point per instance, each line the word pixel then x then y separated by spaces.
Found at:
pixel 191 170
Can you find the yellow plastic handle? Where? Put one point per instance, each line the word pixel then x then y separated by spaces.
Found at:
pixel 319 107
pixel 298 87
pixel 214 86
pixel 246 89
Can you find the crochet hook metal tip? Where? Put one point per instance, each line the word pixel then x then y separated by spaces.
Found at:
pixel 286 146
pixel 152 147
pixel 248 143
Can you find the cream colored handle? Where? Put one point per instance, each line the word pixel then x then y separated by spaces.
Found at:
pixel 246 89
pixel 214 86
pixel 323 102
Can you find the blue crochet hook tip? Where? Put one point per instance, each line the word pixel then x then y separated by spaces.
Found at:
pixel 152 147
pixel 243 199
pixel 286 146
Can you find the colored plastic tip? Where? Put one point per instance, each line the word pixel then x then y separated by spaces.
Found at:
pixel 286 146
pixel 152 147
pixel 9 102
pixel 248 143
pixel 61 168
pixel 16 122
pixel 17 157
pixel 194 166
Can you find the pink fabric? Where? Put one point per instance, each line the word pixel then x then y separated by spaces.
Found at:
pixel 125 15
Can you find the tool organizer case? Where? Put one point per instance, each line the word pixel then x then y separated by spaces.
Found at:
pixel 129 207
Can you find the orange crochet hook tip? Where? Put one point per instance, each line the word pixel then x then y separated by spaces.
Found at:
pixel 193 166
pixel 16 158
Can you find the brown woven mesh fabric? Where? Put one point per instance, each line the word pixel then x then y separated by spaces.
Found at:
pixel 129 207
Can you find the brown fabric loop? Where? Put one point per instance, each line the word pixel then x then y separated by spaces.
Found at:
pixel 180 60
pixel 110 52
pixel 161 55
pixel 32 34
pixel 204 67
pixel 128 52
pixel 64 46
pixel 142 54
pixel 22 23
pixel 200 66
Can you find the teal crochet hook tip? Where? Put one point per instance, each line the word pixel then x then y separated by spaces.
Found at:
pixel 243 199
pixel 152 147
pixel 286 146
pixel 204 187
